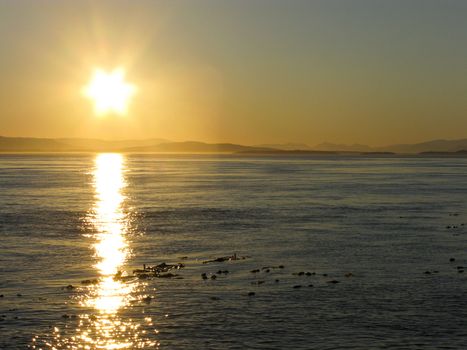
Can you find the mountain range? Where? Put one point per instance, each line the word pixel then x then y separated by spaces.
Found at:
pixel 423 147
pixel 27 144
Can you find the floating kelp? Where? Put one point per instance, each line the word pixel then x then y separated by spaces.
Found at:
pixel 226 258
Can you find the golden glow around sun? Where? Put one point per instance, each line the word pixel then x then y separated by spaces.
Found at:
pixel 109 92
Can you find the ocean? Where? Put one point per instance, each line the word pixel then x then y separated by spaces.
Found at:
pixel 119 251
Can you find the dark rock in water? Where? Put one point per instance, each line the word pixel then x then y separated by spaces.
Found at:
pixel 1 295
pixel 325 275
pixel 272 267
pixel 460 271
pixel 267 270
pixel 258 282
pixel 65 316
pixel 333 282
pixel 126 278
pixel 254 271
pixel 147 299
pixel 19 295
pixel 296 273
pixel 226 258
pixel 460 267
pixel 215 298
pixel 213 277
pixel 166 275
pixel 435 271
pixel 301 273
pixel 69 287
pixel 308 273
pixel 448 227
pixel 310 285
pixel 158 269
pixel 88 282
pixel 452 259
pixel 143 276
pixel 219 272
pixel 183 257
pixel 204 276
pixel 225 272
pixel 348 274
pixel 427 273
pixel 162 267
pixel 276 281
pixel 250 294
pixel 297 286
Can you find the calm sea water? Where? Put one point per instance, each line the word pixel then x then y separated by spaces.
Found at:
pixel 390 225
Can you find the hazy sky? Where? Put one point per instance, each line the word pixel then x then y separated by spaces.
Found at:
pixel 244 71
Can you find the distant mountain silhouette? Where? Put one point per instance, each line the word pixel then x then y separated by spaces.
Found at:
pixel 29 144
pixel 104 145
pixel 286 146
pixel 340 147
pixel 287 152
pixel 429 146
pixel 196 147
pixel 461 152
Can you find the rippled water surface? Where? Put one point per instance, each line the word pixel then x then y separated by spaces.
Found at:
pixel 73 228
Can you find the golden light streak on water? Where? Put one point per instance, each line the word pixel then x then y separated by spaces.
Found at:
pixel 111 250
pixel 103 325
pixel 111 246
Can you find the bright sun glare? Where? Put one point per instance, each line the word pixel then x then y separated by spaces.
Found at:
pixel 109 91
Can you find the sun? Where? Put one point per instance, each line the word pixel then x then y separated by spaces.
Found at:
pixel 109 91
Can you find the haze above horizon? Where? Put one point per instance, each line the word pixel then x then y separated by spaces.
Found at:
pixel 246 72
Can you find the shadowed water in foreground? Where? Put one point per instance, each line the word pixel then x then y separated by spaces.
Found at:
pixel 256 253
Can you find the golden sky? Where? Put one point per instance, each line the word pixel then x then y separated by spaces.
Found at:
pixel 248 71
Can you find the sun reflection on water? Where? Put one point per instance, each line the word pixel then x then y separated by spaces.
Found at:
pixel 111 293
pixel 104 321
pixel 111 224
